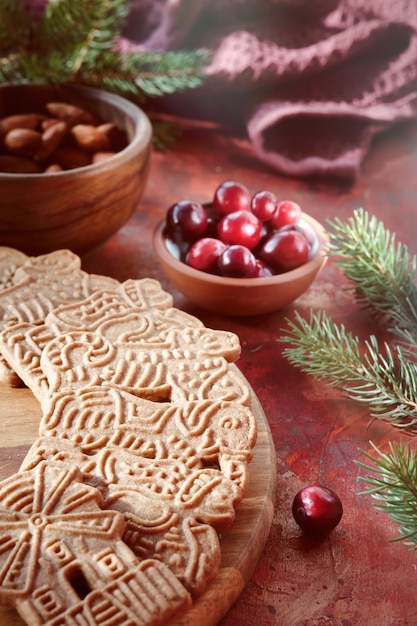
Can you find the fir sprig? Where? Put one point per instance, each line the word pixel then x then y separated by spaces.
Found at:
pixel 393 485
pixel 382 377
pixel 74 42
pixel 379 377
pixel 380 269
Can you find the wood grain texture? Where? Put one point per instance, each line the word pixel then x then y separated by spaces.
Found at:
pixel 241 544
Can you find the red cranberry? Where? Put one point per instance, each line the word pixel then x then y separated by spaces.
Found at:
pixel 311 236
pixel 263 205
pixel 240 227
pixel 187 220
pixel 284 251
pixel 231 196
pixel 286 212
pixel 204 254
pixel 237 262
pixel 262 270
pixel 317 509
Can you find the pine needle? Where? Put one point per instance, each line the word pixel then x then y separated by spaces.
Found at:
pixel 376 376
pixel 74 42
pixel 393 485
pixel 380 269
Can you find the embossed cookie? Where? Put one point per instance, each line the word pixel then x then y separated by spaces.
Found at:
pixel 143 450
pixel 203 434
pixel 111 339
pixel 148 492
pixel 30 287
pixel 63 561
pixel 10 261
pixel 176 473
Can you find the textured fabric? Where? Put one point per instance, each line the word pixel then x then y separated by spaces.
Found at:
pixel 310 82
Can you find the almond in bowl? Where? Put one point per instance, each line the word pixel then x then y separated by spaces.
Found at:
pixel 74 163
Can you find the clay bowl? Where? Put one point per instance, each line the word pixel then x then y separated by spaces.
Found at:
pixel 78 208
pixel 240 296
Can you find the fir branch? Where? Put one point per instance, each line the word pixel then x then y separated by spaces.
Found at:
pixel 150 74
pixel 393 485
pixel 76 32
pixel 381 270
pixel 74 42
pixel 386 382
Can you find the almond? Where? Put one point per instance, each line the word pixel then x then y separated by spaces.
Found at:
pixel 52 137
pixel 18 165
pixel 98 157
pixel 70 113
pixel 48 122
pixel 70 158
pixel 89 138
pixel 54 167
pixel 23 141
pixel 116 135
pixel 21 120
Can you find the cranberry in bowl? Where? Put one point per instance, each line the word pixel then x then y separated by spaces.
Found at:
pixel 242 262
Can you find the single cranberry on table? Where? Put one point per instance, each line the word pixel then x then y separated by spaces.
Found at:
pixel 317 509
pixel 286 212
pixel 186 220
pixel 237 262
pixel 240 227
pixel 285 250
pixel 231 196
pixel 204 253
pixel 263 205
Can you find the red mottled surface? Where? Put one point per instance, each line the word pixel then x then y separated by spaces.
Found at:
pixel 356 576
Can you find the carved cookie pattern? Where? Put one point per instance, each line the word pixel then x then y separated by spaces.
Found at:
pixel 31 287
pixel 52 527
pixel 43 283
pixel 189 363
pixel 139 397
pixel 122 318
pixel 160 522
pixel 10 261
pixel 204 434
pixel 177 364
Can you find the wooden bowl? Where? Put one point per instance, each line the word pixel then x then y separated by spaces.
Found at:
pixel 79 208
pixel 240 297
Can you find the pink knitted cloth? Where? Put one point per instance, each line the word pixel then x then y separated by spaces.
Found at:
pixel 310 82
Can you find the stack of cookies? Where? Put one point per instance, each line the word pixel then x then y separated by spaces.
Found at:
pixel 143 450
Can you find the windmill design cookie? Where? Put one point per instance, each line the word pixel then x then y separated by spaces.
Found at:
pixel 143 451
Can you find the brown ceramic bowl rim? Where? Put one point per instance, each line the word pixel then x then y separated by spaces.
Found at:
pixel 312 265
pixel 142 134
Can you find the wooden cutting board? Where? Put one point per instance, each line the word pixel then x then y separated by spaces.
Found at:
pixel 241 544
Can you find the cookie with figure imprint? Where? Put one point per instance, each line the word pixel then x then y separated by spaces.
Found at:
pixel 175 472
pixel 146 428
pixel 10 261
pixel 31 287
pixel 63 559
pixel 148 492
pixel 120 338
pixel 201 433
